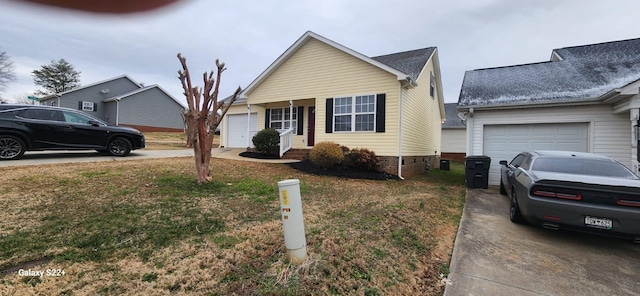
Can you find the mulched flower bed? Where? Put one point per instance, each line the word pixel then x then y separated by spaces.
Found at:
pixel 337 171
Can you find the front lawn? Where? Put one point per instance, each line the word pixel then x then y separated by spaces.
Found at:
pixel 145 227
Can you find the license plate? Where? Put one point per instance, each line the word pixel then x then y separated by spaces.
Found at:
pixel 602 223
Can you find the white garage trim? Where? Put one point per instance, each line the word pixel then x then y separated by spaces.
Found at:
pixel 505 141
pixel 236 132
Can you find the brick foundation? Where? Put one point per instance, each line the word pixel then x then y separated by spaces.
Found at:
pixel 454 156
pixel 412 165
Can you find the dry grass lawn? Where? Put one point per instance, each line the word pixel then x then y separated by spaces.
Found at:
pixel 145 228
pixel 171 141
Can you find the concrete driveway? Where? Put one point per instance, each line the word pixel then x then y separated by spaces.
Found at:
pixel 49 157
pixel 493 256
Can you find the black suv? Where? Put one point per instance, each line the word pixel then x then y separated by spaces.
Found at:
pixel 33 127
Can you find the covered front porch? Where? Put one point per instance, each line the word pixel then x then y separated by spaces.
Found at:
pixel 293 119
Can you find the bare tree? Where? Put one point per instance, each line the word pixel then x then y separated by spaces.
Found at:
pixel 202 117
pixel 6 70
pixel 23 98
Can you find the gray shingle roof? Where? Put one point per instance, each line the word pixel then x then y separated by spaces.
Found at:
pixel 410 62
pixel 451 115
pixel 584 73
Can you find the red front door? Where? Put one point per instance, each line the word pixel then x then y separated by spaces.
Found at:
pixel 311 127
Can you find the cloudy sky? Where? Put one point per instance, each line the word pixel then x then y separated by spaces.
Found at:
pixel 249 35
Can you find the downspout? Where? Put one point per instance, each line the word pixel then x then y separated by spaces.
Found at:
pixel 470 132
pixel 117 111
pixel 248 124
pixel 401 103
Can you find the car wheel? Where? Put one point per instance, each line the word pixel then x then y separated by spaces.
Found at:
pixel 119 146
pixel 503 191
pixel 11 147
pixel 514 209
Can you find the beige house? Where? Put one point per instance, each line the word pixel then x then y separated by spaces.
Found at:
pixel 454 134
pixel 319 90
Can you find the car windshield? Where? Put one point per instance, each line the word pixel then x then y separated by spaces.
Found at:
pixel 581 166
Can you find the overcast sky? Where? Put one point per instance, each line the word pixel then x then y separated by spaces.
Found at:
pixel 249 35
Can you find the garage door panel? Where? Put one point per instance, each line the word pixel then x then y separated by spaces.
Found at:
pixel 504 142
pixel 237 130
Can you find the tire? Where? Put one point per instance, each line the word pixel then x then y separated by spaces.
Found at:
pixel 119 146
pixel 514 209
pixel 11 147
pixel 503 191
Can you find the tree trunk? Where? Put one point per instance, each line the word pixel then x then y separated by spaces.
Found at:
pixel 202 118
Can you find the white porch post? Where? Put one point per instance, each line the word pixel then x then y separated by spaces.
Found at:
pixel 248 125
pixel 290 114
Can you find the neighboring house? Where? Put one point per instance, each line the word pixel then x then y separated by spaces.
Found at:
pixel 454 134
pixel 122 101
pixel 319 90
pixel 584 99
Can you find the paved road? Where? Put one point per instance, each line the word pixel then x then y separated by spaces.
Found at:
pixel 493 256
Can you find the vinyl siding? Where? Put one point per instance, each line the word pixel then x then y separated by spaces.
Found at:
pixel 318 71
pixel 609 134
pixel 454 140
pixel 151 107
pixel 421 117
pixel 94 94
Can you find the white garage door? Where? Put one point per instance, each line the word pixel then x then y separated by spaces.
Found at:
pixel 504 142
pixel 237 129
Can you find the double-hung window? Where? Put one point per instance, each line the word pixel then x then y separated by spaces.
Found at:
pixel 280 119
pixel 354 114
pixel 87 106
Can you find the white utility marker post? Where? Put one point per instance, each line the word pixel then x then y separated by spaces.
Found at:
pixel 292 221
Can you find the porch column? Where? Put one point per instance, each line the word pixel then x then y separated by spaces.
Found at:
pixel 291 114
pixel 248 125
pixel 634 116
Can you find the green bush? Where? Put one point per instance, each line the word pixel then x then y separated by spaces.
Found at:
pixel 364 159
pixel 267 141
pixel 326 154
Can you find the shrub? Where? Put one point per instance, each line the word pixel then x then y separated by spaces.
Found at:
pixel 267 141
pixel 326 154
pixel 364 159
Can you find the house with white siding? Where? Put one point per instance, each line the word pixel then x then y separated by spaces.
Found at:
pixel 585 98
pixel 454 134
pixel 319 90
pixel 123 101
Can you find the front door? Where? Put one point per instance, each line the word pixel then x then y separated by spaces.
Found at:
pixel 311 128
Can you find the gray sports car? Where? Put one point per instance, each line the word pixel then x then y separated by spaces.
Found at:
pixel 572 190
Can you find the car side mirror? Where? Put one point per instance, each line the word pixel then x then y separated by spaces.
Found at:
pixel 503 162
pixel 94 123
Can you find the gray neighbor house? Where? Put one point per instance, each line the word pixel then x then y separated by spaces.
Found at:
pixel 123 101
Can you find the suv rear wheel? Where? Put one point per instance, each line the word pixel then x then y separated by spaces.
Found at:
pixel 119 146
pixel 11 147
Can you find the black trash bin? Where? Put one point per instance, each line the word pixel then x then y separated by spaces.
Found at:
pixel 477 171
pixel 444 164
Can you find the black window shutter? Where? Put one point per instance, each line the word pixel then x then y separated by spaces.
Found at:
pixel 329 119
pixel 300 119
pixel 95 107
pixel 79 105
pixel 267 117
pixel 380 112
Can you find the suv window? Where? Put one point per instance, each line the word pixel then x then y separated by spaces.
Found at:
pixel 77 118
pixel 41 114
